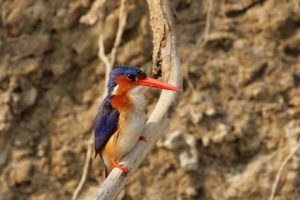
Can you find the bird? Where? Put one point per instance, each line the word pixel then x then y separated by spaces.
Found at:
pixel 121 117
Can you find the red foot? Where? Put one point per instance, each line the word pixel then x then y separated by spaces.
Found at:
pixel 142 138
pixel 120 166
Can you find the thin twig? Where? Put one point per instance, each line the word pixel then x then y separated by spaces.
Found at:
pixel 283 164
pixel 85 168
pixel 121 28
pixel 104 58
pixel 109 63
pixel 164 41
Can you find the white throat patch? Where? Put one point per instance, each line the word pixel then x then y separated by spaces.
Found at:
pixel 114 92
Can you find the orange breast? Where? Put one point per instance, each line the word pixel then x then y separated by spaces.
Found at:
pixel 120 102
pixel 110 148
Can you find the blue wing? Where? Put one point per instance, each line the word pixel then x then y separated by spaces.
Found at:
pixel 105 124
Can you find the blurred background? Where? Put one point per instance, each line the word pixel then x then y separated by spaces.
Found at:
pixel 237 120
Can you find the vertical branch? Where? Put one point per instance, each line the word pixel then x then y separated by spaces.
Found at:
pixel 109 63
pixel 121 28
pixel 164 52
pixel 85 169
pixel 104 58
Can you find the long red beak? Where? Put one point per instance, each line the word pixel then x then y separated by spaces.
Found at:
pixel 157 84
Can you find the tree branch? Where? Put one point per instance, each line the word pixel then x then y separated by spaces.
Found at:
pixel 164 53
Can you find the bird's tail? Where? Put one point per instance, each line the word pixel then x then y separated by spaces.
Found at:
pixel 104 166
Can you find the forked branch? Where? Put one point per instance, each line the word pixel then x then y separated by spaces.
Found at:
pixel 90 19
pixel 165 58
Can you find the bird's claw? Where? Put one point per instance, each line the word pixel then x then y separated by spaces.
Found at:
pixel 120 166
pixel 143 139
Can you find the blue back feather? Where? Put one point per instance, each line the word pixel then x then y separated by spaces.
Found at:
pixel 105 124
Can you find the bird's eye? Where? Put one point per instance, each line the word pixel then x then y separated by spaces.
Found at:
pixel 131 77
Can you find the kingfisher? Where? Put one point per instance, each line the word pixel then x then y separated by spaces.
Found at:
pixel 121 116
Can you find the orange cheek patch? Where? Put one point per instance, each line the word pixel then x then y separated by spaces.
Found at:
pixel 124 85
pixel 121 101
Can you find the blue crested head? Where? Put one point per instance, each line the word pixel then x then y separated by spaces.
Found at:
pixel 130 72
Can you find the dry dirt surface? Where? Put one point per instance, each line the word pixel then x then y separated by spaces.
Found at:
pixel 238 118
